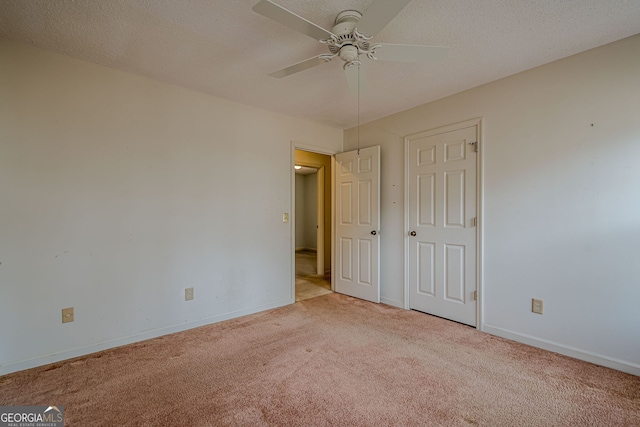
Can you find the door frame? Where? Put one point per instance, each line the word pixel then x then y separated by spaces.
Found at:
pixel 296 145
pixel 479 208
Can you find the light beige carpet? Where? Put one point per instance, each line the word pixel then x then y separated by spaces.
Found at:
pixel 330 361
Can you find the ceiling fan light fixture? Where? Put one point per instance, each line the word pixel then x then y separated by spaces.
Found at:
pixel 349 53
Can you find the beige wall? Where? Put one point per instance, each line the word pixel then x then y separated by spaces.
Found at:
pixel 561 219
pixel 306 211
pixel 118 192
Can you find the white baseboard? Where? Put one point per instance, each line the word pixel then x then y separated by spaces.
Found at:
pixel 83 351
pixel 597 359
pixel 392 302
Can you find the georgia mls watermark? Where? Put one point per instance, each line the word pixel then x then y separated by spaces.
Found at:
pixel 31 416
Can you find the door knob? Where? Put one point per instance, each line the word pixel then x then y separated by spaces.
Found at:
pixel 413 233
pixel 374 232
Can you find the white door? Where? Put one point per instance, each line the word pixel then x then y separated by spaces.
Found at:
pixel 442 223
pixel 357 242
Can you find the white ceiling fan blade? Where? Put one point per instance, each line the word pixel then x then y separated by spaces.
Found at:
pixel 379 14
pixel 356 76
pixel 300 66
pixel 410 53
pixel 289 19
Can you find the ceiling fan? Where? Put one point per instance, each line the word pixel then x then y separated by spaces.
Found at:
pixel 350 38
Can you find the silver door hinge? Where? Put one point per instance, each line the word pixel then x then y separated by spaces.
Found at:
pixel 475 295
pixel 474 222
pixel 475 146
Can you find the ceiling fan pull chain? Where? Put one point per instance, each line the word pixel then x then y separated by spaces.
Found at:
pixel 358 108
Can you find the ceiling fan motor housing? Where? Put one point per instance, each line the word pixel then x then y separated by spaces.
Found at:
pixel 345 22
pixel 348 46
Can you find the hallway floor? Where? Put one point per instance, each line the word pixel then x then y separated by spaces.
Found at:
pixel 308 283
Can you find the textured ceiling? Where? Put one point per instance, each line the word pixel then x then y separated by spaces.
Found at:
pixel 223 48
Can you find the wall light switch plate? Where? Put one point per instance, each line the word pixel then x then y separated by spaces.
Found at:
pixel 285 217
pixel 537 306
pixel 67 315
pixel 188 294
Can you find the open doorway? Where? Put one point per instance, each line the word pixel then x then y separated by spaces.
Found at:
pixel 312 224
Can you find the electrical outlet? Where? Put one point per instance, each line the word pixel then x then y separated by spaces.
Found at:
pixel 67 315
pixel 188 294
pixel 537 305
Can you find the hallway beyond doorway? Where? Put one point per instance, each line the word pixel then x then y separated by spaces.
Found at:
pixel 308 283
